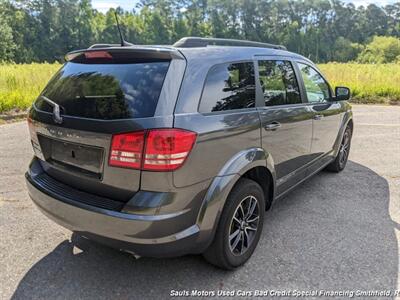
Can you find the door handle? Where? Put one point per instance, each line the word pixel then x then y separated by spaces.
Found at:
pixel 272 126
pixel 318 117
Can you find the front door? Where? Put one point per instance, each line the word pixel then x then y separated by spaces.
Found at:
pixel 286 122
pixel 326 113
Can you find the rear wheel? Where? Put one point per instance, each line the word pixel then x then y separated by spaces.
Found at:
pixel 341 159
pixel 240 226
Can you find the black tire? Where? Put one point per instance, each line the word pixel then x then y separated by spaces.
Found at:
pixel 221 252
pixel 343 154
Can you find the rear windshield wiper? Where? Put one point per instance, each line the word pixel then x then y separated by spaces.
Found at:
pixel 56 109
pixel 99 96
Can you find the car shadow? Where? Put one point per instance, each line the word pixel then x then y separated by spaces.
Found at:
pixel 333 232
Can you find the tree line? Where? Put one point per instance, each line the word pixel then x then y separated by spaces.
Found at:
pixel 323 30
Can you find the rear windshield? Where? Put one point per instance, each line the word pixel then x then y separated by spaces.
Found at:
pixel 106 91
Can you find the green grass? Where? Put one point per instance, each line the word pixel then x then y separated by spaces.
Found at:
pixel 21 84
pixel 369 83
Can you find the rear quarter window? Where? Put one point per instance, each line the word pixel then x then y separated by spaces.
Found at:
pixel 106 91
pixel 229 86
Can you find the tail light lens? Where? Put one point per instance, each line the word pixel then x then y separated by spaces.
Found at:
pixel 154 150
pixel 167 149
pixel 127 149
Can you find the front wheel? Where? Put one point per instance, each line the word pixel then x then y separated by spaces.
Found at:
pixel 240 226
pixel 344 150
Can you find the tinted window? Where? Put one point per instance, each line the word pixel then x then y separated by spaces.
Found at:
pixel 229 86
pixel 106 91
pixel 278 82
pixel 316 87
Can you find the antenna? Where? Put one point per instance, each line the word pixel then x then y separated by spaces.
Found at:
pixel 123 42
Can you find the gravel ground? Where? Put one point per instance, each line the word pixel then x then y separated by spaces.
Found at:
pixel 334 232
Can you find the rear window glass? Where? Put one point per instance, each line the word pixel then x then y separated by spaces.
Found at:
pixel 106 91
pixel 229 86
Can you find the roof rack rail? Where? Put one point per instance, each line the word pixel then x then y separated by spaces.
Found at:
pixel 190 42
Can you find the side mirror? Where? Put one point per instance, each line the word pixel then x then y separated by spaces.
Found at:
pixel 342 93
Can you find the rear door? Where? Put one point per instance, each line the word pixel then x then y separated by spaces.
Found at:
pixel 326 113
pixel 286 122
pixel 99 95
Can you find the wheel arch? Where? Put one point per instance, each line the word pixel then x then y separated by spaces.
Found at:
pixel 350 123
pixel 263 177
pixel 347 120
pixel 255 164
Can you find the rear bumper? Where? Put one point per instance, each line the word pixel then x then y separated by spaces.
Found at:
pixel 145 235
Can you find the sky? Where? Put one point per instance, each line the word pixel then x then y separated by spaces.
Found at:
pixel 104 5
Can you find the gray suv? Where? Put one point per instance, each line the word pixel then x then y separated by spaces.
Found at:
pixel 169 150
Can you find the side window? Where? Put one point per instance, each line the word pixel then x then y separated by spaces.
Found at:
pixel 229 86
pixel 316 87
pixel 278 82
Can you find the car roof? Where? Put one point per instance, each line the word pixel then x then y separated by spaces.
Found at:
pixel 209 50
pixel 222 54
pixel 202 51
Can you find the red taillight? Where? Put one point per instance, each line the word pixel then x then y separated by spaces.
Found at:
pixel 167 149
pixel 98 54
pixel 126 150
pixel 164 150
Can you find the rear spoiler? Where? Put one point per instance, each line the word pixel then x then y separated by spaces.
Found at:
pixel 134 52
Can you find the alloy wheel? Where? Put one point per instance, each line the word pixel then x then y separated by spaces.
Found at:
pixel 344 148
pixel 244 225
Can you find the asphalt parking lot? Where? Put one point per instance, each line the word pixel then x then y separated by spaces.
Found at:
pixel 334 232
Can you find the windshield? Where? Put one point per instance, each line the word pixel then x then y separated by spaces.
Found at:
pixel 106 91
